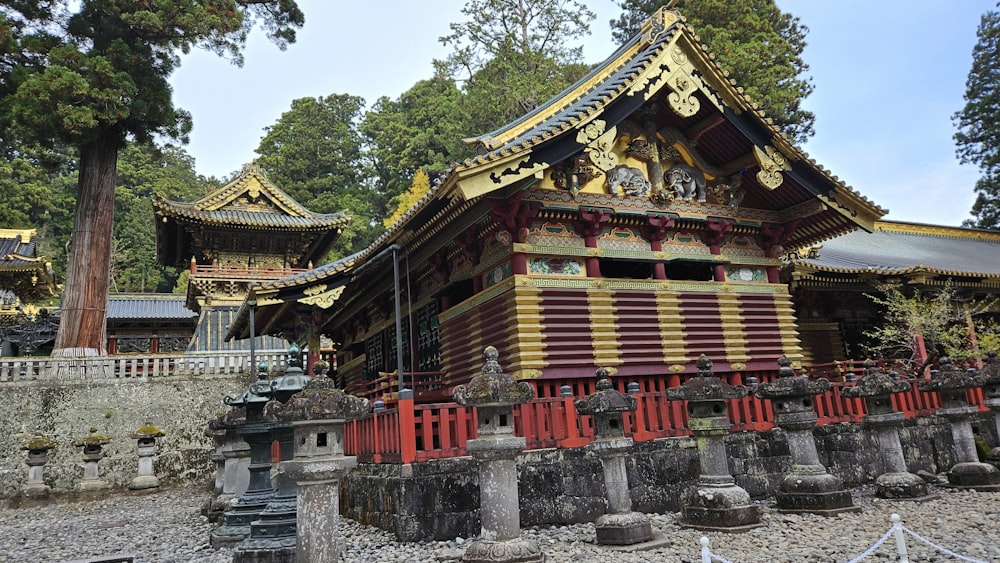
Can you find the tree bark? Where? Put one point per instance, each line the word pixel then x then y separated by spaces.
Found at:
pixel 83 322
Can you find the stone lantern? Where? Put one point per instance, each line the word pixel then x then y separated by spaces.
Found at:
pixel 257 433
pixel 317 415
pixel 877 389
pixel 717 502
pixel 272 534
pixel 621 525
pixel 991 388
pixel 951 383
pixel 146 437
pixel 494 395
pixel 807 487
pixel 93 445
pixel 232 455
pixel 38 455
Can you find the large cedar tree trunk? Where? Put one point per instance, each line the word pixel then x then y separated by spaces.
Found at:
pixel 82 327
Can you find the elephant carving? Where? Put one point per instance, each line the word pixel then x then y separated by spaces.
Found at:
pixel 625 180
pixel 687 182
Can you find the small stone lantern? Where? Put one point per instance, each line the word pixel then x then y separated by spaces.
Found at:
pixel 317 414
pixel 877 389
pixel 621 525
pixel 807 487
pixel 93 445
pixel 951 383
pixel 717 502
pixel 38 455
pixel 494 395
pixel 146 437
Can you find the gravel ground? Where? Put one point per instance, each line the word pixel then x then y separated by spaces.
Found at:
pixel 166 527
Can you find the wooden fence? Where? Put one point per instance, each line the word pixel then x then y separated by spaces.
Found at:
pixel 410 432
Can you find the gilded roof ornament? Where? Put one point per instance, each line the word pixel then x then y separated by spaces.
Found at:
pixel 772 163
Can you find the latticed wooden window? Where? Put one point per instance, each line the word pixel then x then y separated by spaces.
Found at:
pixel 375 358
pixel 390 335
pixel 428 338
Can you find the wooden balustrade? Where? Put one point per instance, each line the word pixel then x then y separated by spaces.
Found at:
pixel 411 432
pixel 135 366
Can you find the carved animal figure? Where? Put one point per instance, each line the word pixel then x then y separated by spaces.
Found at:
pixel 625 180
pixel 687 182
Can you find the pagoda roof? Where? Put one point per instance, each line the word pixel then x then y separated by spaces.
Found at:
pixel 19 259
pixel 251 201
pixel 908 250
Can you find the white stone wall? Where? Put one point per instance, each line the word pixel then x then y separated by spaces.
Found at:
pixel 179 405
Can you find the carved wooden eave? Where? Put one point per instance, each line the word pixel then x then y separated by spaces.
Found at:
pixel 22 270
pixel 249 204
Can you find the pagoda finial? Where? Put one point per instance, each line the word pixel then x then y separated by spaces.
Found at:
pixel 252 167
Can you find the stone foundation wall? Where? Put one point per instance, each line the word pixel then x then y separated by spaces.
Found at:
pixel 440 499
pixel 179 405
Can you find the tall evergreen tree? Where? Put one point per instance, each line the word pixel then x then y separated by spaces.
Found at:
pixel 758 44
pixel 513 55
pixel 315 153
pixel 93 74
pixel 978 136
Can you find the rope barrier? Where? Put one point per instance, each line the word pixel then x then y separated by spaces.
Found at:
pixel 897 528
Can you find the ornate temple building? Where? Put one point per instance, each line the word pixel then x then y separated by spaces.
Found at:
pixel 830 281
pixel 245 233
pixel 637 220
pixel 25 278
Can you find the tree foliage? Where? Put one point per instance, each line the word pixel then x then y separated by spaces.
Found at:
pixel 512 55
pixel 315 153
pixel 978 135
pixel 93 74
pixel 406 200
pixel 758 44
pixel 940 318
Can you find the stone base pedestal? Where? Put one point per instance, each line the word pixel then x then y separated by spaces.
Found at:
pixel 144 482
pixel 720 508
pixel 88 485
pixel 517 550
pixel 974 475
pixel 36 490
pixel 902 485
pixel 624 528
pixel 814 492
pixel 265 551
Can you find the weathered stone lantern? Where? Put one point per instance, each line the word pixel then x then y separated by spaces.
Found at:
pixel 257 433
pixel 494 395
pixel 232 457
pixel 38 455
pixel 146 437
pixel 991 388
pixel 807 487
pixel 951 383
pixel 716 502
pixel 620 525
pixel 93 446
pixel 877 389
pixel 272 535
pixel 317 415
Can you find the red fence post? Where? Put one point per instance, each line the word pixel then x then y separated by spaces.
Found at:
pixel 407 431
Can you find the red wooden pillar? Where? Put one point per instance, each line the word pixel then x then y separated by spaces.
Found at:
pixel 515 217
pixel 714 234
pixel 655 231
pixel 774 239
pixel 590 225
pixel 407 431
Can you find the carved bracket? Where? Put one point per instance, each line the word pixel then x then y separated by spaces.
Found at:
pixel 657 226
pixel 591 222
pixel 772 163
pixel 716 230
pixel 515 217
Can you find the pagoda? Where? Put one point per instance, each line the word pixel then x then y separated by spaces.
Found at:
pixel 245 233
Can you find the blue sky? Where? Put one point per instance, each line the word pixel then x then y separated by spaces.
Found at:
pixel 888 75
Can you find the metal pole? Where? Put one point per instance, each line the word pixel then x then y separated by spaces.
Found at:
pixel 253 336
pixel 399 327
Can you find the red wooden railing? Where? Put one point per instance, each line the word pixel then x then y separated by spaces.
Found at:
pixel 411 432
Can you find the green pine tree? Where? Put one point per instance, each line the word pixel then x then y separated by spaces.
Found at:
pixel 978 136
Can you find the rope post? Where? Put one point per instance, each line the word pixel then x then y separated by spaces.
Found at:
pixel 706 553
pixel 897 530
